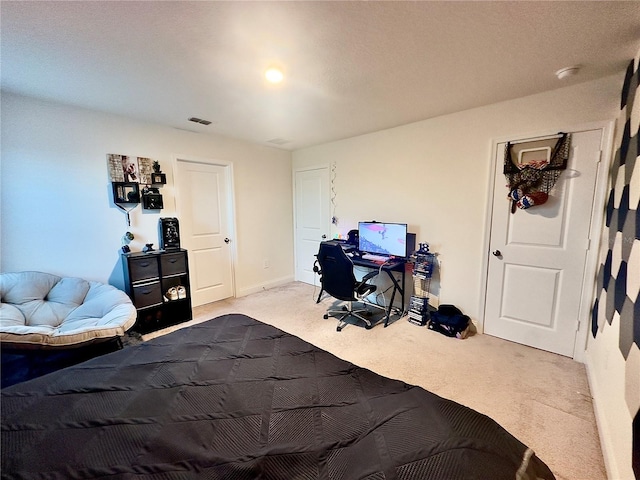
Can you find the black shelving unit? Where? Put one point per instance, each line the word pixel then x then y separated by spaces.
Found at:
pixel 149 279
pixel 419 308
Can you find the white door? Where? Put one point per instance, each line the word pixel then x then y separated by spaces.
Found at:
pixel 313 222
pixel 203 201
pixel 537 256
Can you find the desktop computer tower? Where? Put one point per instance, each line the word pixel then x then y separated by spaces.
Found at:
pixel 411 244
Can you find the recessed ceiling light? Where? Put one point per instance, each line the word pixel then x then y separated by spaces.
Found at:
pixel 274 75
pixel 567 72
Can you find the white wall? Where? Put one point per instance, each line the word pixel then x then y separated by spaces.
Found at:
pixel 57 210
pixel 609 378
pixel 434 174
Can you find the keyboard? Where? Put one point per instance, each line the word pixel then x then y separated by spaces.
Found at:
pixel 375 258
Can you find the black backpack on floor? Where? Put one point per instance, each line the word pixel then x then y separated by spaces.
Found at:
pixel 449 321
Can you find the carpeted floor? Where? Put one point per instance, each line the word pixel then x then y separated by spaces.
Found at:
pixel 541 398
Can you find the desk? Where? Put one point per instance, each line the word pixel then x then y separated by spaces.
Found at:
pixel 395 265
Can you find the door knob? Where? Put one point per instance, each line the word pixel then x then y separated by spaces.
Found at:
pixel 497 253
pixel 226 240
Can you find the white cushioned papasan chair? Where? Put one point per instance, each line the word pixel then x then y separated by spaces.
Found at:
pixel 43 310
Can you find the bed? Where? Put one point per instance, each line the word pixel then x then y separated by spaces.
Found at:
pixel 233 398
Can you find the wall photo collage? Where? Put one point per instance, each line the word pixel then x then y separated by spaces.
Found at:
pixel 135 180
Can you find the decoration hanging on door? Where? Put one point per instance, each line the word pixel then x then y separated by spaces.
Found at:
pixel 531 181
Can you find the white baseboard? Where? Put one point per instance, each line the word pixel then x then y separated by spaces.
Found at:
pixel 264 286
pixel 604 432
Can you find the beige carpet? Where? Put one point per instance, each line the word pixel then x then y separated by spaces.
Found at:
pixel 543 399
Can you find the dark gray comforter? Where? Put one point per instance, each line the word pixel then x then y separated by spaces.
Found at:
pixel 233 398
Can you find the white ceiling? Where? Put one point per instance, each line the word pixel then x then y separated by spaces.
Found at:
pixel 351 67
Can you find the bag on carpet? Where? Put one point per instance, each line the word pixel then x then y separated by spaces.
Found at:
pixel 450 321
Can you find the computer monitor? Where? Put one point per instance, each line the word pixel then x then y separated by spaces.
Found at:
pixel 383 238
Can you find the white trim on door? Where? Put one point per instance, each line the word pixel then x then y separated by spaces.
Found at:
pixel 326 166
pixel 595 230
pixel 231 211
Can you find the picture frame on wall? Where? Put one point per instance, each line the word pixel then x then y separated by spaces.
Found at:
pixel 122 168
pixel 114 167
pixel 145 170
pixel 130 170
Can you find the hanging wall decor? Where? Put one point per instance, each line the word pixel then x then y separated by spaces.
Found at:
pixel 126 196
pixel 124 176
pixel 122 168
pixel 115 167
pixel 157 177
pixel 145 166
pixel 128 175
pixel 152 199
pixel 125 192
pixel 531 177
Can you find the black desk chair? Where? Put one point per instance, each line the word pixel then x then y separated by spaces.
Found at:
pixel 339 281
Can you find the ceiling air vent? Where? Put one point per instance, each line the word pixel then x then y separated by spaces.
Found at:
pixel 278 141
pixel 199 120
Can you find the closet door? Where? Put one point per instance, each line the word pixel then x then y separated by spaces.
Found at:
pixel 537 256
pixel 312 219
pixel 205 205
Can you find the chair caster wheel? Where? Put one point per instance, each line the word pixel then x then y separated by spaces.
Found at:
pixel 338 329
pixel 368 327
pixel 325 316
pixel 344 309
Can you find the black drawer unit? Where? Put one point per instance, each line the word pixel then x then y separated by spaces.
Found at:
pixel 173 264
pixel 159 287
pixel 144 268
pixel 147 294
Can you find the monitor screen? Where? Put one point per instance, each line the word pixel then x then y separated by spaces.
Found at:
pixel 383 238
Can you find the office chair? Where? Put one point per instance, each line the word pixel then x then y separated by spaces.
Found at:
pixel 338 280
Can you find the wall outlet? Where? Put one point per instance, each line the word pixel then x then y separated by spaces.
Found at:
pixel 265 263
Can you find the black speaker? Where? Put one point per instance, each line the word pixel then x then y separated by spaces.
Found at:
pixel 411 244
pixel 169 233
pixel 352 238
